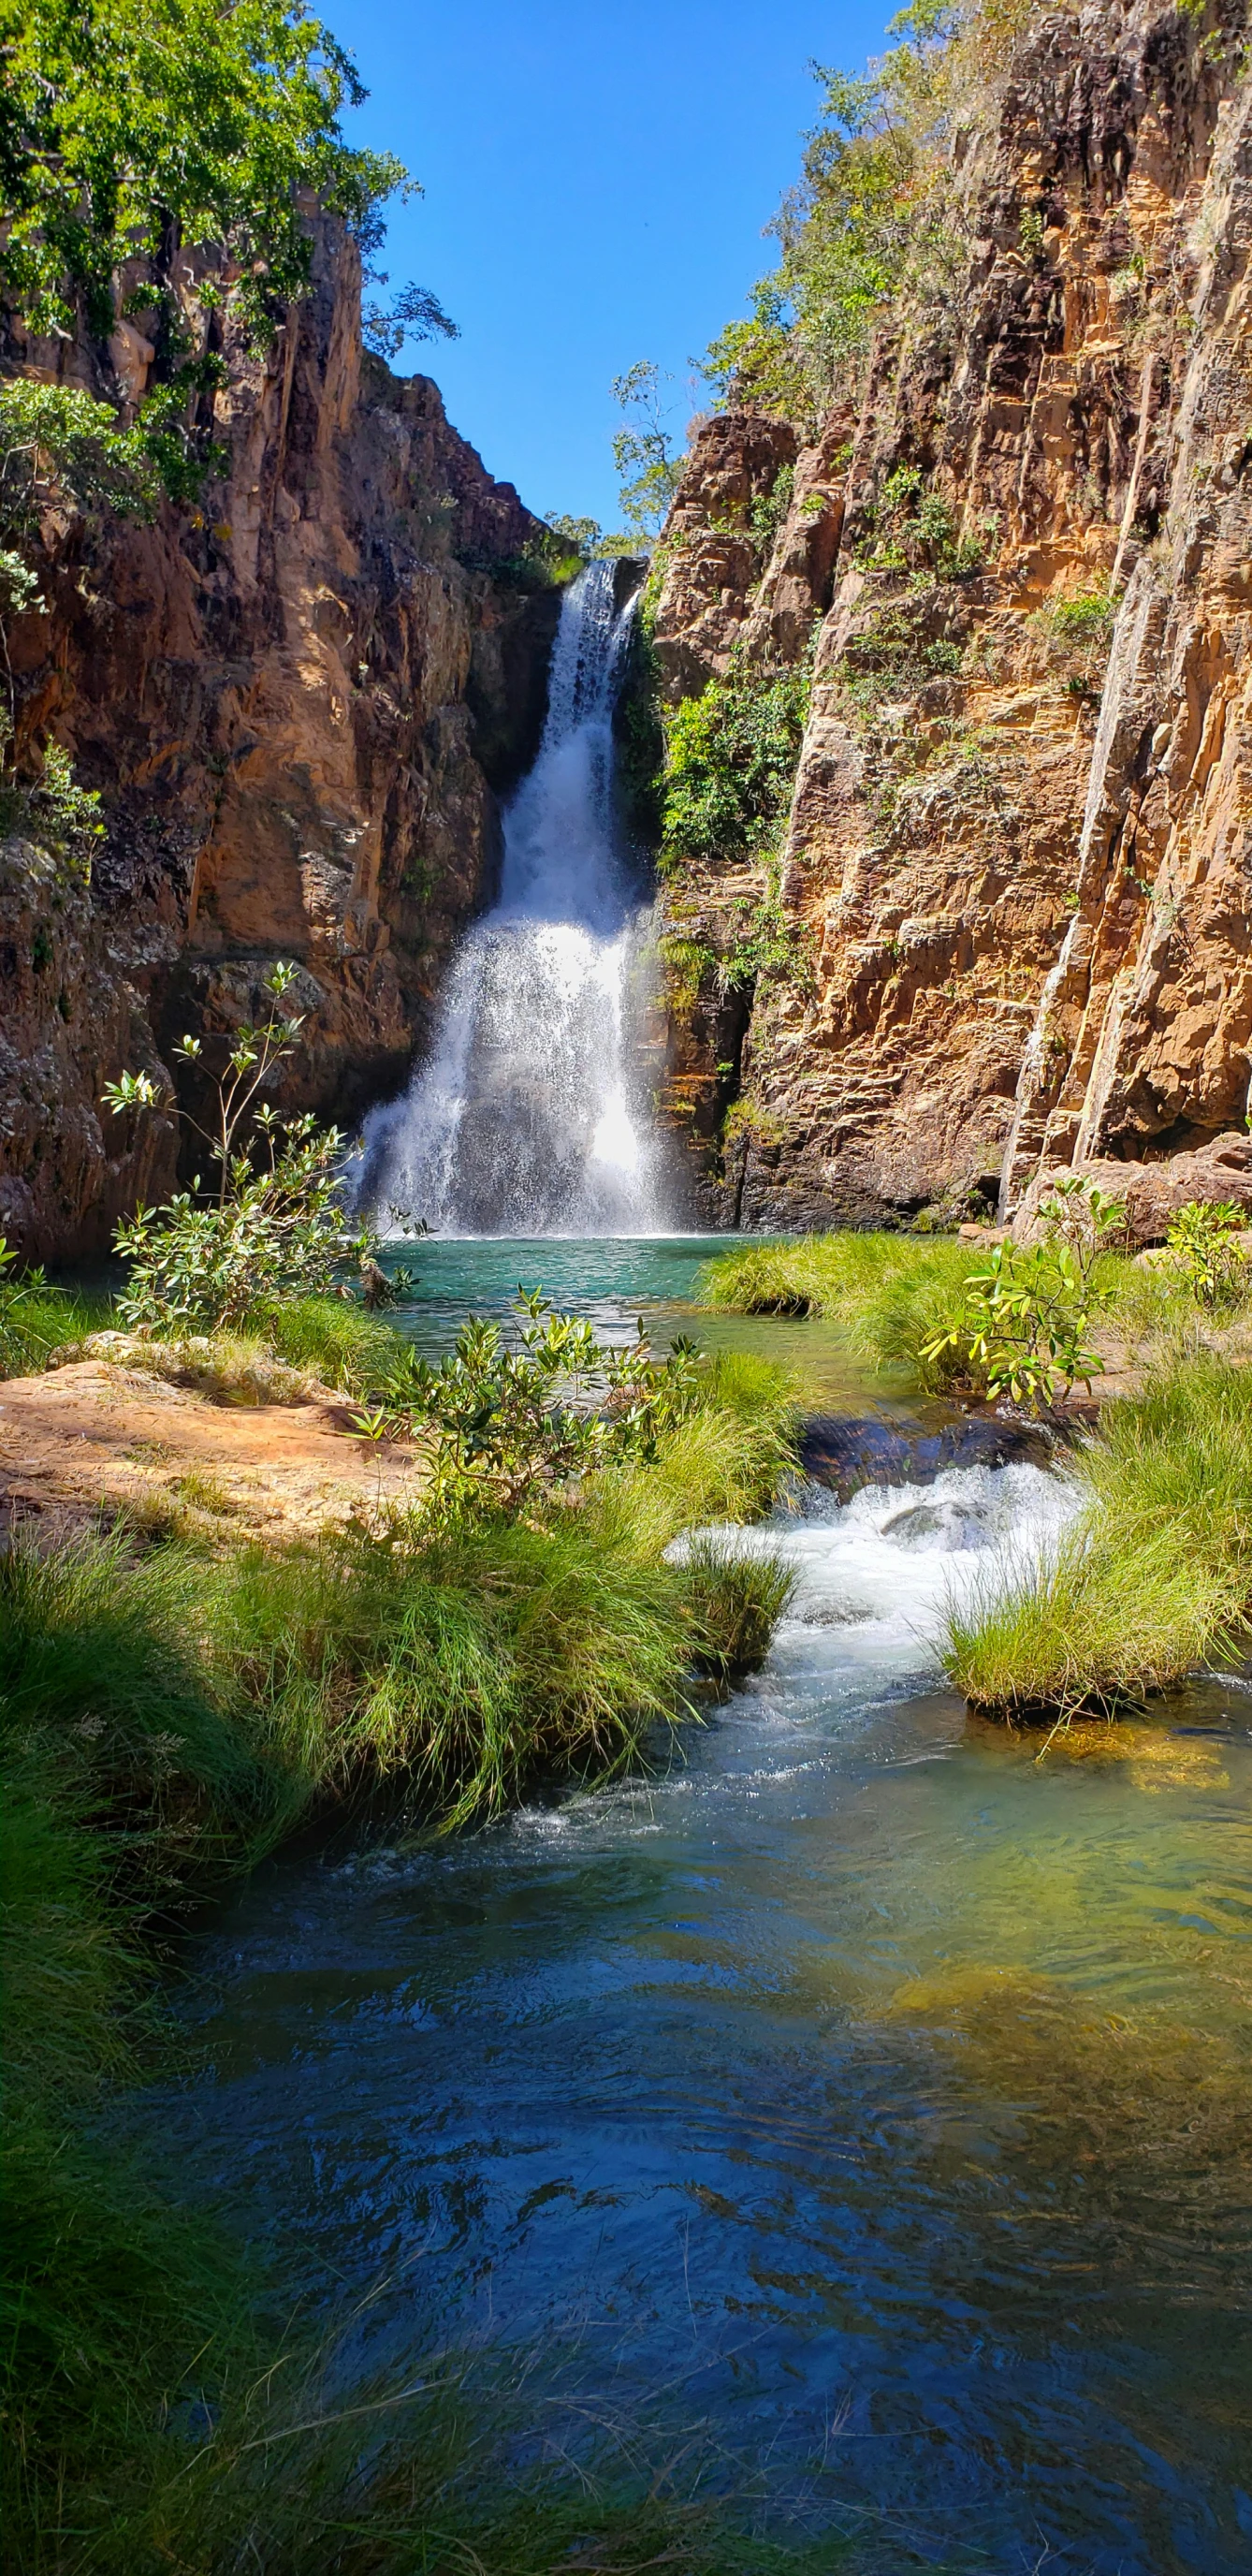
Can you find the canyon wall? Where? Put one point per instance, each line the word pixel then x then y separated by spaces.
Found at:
pixel 300 702
pixel 1012 900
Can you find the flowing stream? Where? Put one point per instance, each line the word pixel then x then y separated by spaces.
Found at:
pixel 859 2084
pixel 521 1120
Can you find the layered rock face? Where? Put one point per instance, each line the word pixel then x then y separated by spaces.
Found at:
pixel 1018 862
pixel 300 702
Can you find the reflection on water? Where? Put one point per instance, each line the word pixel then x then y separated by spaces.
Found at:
pixel 873 2087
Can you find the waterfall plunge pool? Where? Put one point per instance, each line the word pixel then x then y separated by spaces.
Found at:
pixel 875 2092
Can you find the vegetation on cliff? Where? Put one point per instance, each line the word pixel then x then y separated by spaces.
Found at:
pixel 870 217
pixel 129 137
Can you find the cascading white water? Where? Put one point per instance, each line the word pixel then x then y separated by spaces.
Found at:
pixel 520 1120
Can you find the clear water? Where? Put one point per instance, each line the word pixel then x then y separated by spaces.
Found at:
pixel 525 1116
pixel 873 2089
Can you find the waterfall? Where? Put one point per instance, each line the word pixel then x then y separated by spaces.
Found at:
pixel 520 1120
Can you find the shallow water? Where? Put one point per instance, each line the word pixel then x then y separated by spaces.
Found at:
pixel 875 2089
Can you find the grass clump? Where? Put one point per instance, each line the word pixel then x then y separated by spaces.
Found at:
pixel 1155 1577
pixel 37 1319
pixel 890 1295
pixel 334 1339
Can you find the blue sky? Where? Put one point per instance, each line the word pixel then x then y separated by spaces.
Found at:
pixel 597 174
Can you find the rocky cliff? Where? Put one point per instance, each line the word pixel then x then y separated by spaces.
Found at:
pixel 1014 882
pixel 300 702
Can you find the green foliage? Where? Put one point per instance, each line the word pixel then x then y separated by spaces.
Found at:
pixel 1023 1325
pixel 144 135
pixel 1090 615
pixel 766 944
pixel 278 1227
pixel 643 452
pixel 334 1338
pixel 589 541
pixel 414 314
pixel 1156 1576
pixel 54 811
pixel 1205 1244
pixel 56 442
pixel 686 963
pixel 510 1417
pixel 35 1318
pixel 867 215
pixel 913 530
pixel 730 762
pixel 736 1603
pixel 767 514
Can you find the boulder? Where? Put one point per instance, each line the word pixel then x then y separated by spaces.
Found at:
pixel 1153 1193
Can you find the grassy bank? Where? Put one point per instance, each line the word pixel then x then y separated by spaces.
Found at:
pixel 1155 1577
pixel 892 1295
pixel 169 1712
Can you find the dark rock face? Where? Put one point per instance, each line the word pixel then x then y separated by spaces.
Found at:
pixel 1019 866
pixel 845 1454
pixel 301 704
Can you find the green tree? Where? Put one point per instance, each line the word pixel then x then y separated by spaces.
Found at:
pixel 416 314
pixel 146 128
pixel 867 211
pixel 643 452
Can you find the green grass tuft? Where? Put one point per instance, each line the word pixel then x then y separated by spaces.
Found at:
pixel 1154 1580
pixel 888 1292
pixel 332 1338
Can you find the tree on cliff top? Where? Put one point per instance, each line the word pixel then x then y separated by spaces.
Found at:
pixel 142 128
pixel 871 213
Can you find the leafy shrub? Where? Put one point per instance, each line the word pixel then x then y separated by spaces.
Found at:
pixel 913 530
pixel 1023 1325
pixel 767 513
pixel 730 762
pixel 278 1226
pixel 866 214
pixel 643 452
pixel 1085 619
pixel 1205 1244
pixel 187 128
pixel 508 1417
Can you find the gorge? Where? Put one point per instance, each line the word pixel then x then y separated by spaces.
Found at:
pixel 624 1860
pixel 1009 900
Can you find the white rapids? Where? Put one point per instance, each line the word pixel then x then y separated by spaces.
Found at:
pixel 521 1120
pixel 875 1576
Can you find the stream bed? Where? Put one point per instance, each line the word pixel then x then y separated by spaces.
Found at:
pixel 858 2084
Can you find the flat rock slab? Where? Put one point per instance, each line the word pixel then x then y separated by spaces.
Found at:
pixel 103 1437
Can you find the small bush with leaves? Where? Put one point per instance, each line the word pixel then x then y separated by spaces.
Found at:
pixel 511 1415
pixel 277 1227
pixel 1206 1244
pixel 730 762
pixel 913 530
pixel 1024 1324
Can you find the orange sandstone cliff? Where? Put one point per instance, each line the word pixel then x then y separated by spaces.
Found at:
pixel 300 703
pixel 1017 869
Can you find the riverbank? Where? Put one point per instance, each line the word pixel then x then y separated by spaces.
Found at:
pixel 189 1672
pixel 1152 1580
